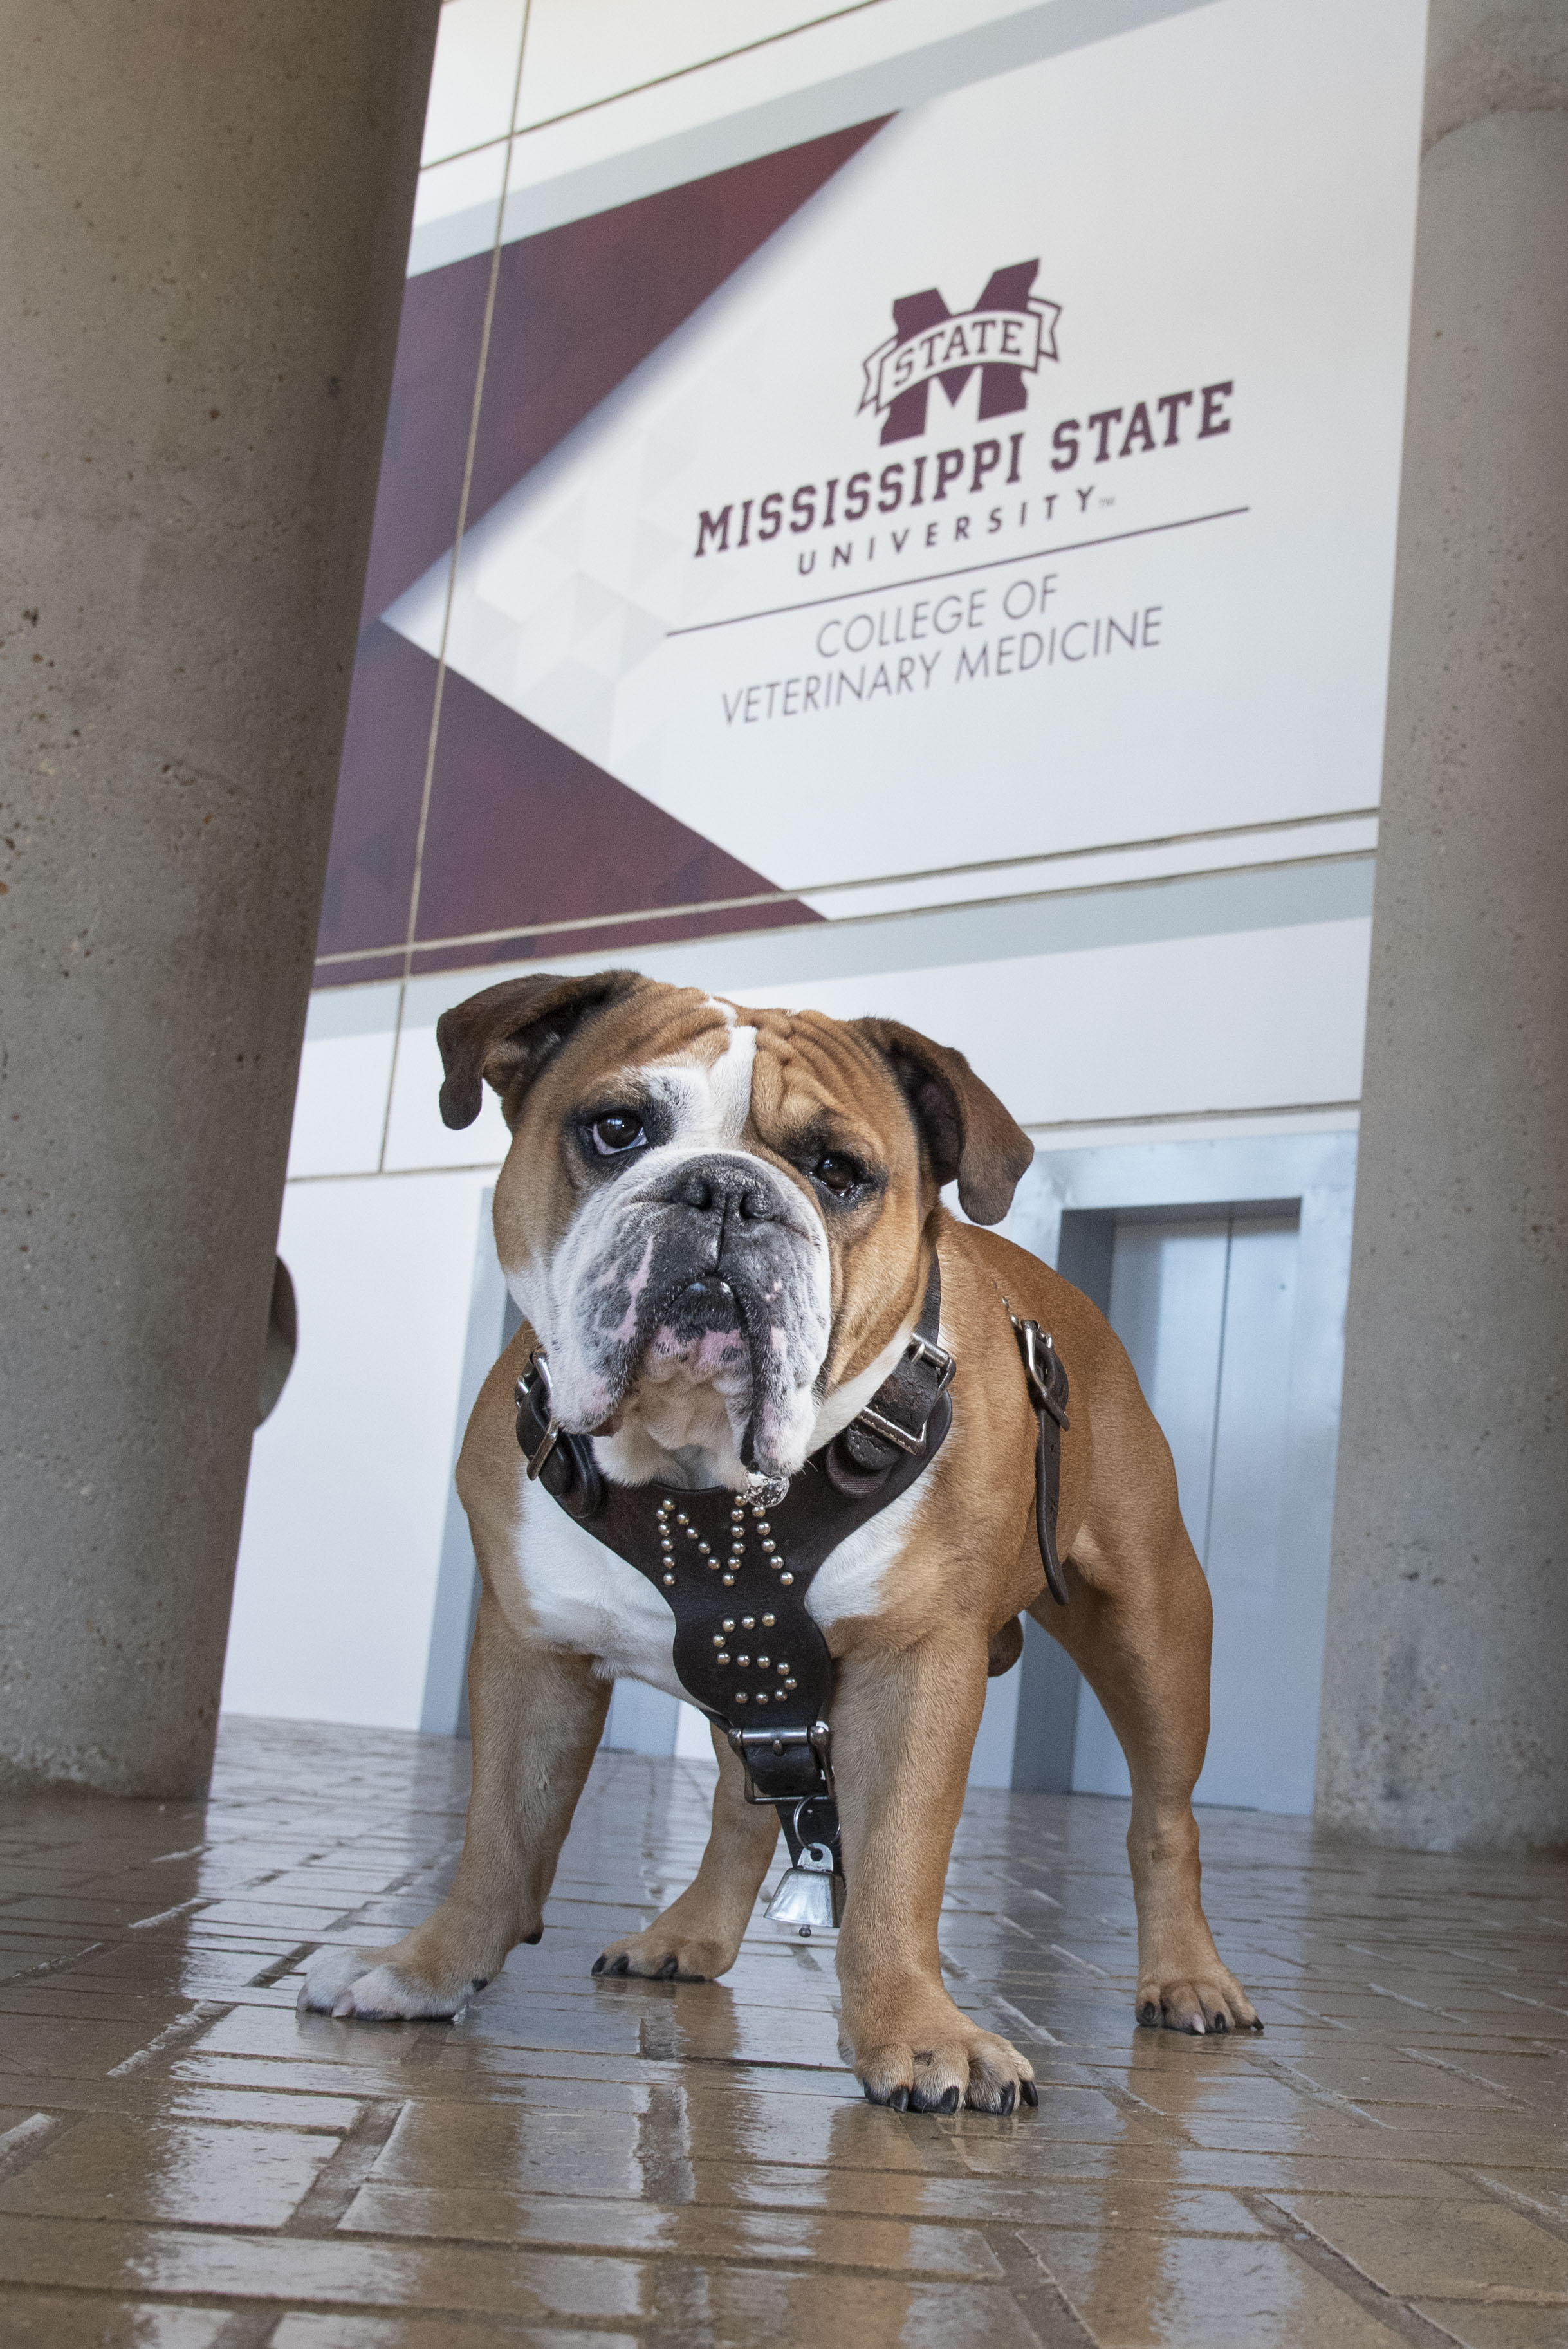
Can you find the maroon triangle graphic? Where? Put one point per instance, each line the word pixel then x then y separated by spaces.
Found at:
pixel 577 309
pixel 375 820
pixel 523 831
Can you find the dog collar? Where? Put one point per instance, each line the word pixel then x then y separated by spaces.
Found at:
pixel 735 1567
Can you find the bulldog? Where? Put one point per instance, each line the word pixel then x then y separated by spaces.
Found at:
pixel 719 1225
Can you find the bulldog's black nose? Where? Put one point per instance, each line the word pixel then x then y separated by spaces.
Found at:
pixel 717 1187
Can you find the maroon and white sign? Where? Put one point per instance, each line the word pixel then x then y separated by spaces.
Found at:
pixel 1027 483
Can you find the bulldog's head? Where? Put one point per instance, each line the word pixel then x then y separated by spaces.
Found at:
pixel 712 1216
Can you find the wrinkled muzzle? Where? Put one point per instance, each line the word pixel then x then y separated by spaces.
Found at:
pixel 710 1267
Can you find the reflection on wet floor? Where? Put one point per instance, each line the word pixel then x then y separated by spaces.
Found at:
pixel 185 2161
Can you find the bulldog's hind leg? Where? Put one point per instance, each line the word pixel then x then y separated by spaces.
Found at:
pixel 699 1935
pixel 536 1715
pixel 1138 1627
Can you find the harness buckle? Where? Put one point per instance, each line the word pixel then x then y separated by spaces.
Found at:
pixel 921 1350
pixel 534 1392
pixel 1042 1369
pixel 778 1746
pixel 930 1356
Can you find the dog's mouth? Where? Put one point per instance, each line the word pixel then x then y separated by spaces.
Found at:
pixel 703 1335
pixel 700 1341
pixel 700 1338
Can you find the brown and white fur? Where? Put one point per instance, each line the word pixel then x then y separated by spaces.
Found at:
pixel 669 1147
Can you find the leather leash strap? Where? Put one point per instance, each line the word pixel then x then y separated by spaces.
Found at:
pixel 735 1569
pixel 1046 1377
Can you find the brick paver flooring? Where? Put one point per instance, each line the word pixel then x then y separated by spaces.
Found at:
pixel 186 2161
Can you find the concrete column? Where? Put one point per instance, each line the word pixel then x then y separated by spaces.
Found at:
pixel 202 242
pixel 1445 1719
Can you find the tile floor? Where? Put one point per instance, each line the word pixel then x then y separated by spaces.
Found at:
pixel 184 2161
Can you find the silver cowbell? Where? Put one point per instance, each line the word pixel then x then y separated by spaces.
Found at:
pixel 810 1894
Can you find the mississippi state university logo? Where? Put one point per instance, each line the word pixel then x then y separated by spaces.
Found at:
pixel 1005 336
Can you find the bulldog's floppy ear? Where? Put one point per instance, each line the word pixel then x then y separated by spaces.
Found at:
pixel 964 1127
pixel 505 1036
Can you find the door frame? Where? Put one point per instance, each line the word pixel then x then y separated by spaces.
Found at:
pixel 1317 1170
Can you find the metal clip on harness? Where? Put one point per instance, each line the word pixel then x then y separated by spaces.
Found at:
pixel 800 1757
pixel 534 1387
pixel 811 1893
pixel 1046 1378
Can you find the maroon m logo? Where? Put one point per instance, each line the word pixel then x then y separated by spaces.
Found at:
pixel 1006 336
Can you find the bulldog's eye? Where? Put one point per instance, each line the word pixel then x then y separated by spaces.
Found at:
pixel 838 1174
pixel 619 1130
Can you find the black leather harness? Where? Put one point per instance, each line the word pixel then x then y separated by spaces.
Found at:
pixel 736 1568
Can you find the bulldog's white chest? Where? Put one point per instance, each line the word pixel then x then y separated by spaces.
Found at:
pixel 576 1594
pixel 580 1595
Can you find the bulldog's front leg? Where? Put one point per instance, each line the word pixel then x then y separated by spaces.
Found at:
pixel 536 1715
pixel 903 1731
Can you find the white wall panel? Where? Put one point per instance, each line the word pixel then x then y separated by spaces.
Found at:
pixel 349 1477
pixel 844 66
pixel 584 52
pixel 344 1512
pixel 415 1135
pixel 345 1070
pixel 455 208
pixel 1241 1020
pixel 1250 1021
pixel 475 75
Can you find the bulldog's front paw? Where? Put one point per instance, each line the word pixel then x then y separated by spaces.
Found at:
pixel 363 1983
pixel 1198 1999
pixel 966 2066
pixel 660 1955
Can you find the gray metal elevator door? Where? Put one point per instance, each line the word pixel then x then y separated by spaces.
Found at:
pixel 1205 1306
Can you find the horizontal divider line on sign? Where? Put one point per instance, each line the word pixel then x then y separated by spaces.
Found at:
pixel 683 73
pixel 934 872
pixel 521 130
pixel 962 571
pixel 1190 1116
pixel 855 921
pixel 463 154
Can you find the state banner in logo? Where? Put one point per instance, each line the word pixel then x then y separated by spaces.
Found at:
pixel 1006 335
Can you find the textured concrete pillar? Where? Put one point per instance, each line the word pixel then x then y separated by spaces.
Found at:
pixel 1445 1719
pixel 205 215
